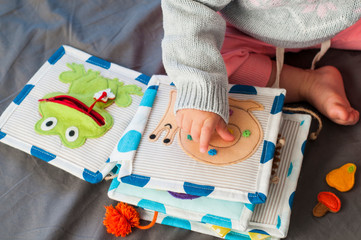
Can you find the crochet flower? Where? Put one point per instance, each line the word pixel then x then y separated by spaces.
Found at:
pixel 320 8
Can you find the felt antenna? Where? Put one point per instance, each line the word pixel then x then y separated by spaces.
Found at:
pixel 104 94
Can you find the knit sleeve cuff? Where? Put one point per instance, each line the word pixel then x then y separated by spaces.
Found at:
pixel 205 97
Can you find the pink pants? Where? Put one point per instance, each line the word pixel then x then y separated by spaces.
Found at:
pixel 248 60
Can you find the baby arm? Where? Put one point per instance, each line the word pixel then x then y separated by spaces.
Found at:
pixel 193 36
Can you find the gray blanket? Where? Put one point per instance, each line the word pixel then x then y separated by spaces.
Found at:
pixel 40 201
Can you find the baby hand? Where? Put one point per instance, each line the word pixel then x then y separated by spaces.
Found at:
pixel 201 125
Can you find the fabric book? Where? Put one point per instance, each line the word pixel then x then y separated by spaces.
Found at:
pixel 94 118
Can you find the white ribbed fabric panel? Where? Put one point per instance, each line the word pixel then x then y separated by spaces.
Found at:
pixel 268 212
pixel 154 159
pixel 94 153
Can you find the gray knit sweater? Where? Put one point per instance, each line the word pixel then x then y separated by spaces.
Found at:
pixel 194 34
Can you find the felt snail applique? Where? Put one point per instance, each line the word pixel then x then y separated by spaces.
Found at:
pixel 80 113
pixel 242 124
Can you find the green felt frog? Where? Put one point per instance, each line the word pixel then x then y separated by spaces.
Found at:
pixel 80 113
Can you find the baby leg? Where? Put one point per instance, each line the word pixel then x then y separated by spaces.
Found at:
pixel 323 87
pixel 248 62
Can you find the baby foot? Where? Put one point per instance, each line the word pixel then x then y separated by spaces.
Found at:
pixel 324 89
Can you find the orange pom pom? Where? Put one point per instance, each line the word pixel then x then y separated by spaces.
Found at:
pixel 120 220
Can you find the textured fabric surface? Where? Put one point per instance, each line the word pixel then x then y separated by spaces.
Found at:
pixel 39 201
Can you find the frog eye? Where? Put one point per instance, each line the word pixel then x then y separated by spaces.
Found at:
pixel 49 124
pixel 72 134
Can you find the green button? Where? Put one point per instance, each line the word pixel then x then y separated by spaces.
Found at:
pixel 246 133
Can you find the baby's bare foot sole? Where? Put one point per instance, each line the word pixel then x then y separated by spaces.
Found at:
pixel 324 89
